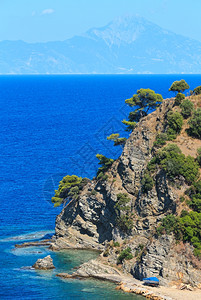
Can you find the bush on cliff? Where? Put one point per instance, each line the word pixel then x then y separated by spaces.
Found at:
pixel 123 212
pixel 195 124
pixel 178 99
pixel 197 90
pixel 147 182
pixel 125 254
pixel 144 101
pixel 116 139
pixel 198 158
pixel 186 108
pixel 175 122
pixel 186 228
pixel 161 139
pixel 105 165
pixel 174 163
pixel 69 188
pixel 179 86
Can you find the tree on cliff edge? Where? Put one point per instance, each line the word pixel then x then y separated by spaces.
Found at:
pixel 179 86
pixel 144 101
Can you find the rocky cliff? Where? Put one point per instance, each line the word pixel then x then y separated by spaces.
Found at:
pixel 91 221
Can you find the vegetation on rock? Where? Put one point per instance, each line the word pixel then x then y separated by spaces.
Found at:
pixel 175 122
pixel 116 139
pixel 147 182
pixel 187 228
pixel 123 212
pixel 195 124
pixel 175 164
pixel 125 254
pixel 197 90
pixel 144 101
pixel 130 125
pixel 69 188
pixel 161 139
pixel 179 86
pixel 199 156
pixel 178 99
pixel 186 108
pixel 105 165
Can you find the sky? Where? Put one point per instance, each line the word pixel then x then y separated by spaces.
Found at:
pixel 53 20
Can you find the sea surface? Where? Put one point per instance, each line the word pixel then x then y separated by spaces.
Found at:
pixel 51 126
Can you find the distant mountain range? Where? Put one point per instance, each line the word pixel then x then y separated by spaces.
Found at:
pixel 128 45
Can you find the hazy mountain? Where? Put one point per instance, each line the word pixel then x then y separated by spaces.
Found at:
pixel 126 45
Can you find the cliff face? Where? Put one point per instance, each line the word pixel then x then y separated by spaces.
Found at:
pixel 89 222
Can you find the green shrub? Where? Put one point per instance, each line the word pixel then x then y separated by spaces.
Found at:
pixel 174 163
pixel 144 101
pixel 178 99
pixel 122 201
pixel 179 86
pixel 105 165
pixel 69 188
pixel 171 134
pixel 175 122
pixel 197 90
pixel 198 158
pixel 116 244
pixel 186 108
pixel 102 177
pixel 194 194
pixel 195 204
pixel 116 139
pixel 197 253
pixel 152 165
pixel 184 213
pixel 182 199
pixel 125 254
pixel 124 222
pixel 160 140
pixel 130 125
pixel 195 124
pixel 123 212
pixel 186 228
pixel 147 183
pixel 191 225
pixel 169 223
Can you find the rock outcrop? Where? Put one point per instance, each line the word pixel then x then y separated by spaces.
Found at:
pixel 90 221
pixel 45 263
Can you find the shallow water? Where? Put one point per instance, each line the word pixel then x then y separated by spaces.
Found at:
pixel 20 281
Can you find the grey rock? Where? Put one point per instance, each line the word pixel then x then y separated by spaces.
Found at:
pixel 45 263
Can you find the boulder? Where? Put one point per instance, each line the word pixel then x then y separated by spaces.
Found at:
pixel 45 263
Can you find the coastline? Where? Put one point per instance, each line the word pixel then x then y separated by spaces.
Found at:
pixel 99 269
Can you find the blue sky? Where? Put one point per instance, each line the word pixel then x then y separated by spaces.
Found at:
pixel 50 20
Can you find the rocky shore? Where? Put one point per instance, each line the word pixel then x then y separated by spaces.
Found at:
pixel 98 270
pixel 46 242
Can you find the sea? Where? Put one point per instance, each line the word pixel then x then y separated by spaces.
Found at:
pixel 51 126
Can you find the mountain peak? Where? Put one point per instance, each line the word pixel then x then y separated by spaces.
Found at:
pixel 124 29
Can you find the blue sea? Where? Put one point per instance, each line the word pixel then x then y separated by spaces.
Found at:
pixel 51 126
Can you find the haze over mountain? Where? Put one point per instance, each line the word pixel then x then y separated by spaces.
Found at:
pixel 129 45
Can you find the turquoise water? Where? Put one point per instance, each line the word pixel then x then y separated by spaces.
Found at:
pixel 51 126
pixel 28 283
